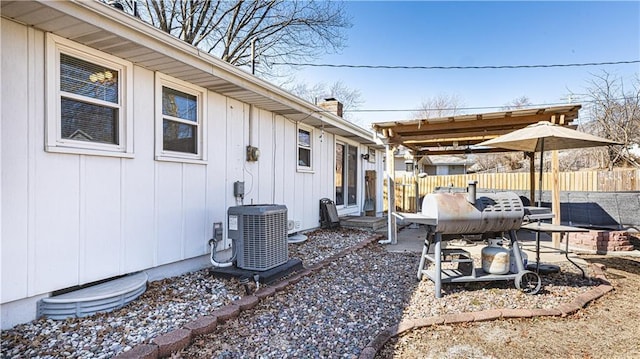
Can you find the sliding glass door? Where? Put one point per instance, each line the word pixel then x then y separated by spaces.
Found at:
pixel 346 176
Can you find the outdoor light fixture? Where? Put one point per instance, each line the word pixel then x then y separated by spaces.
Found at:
pixel 253 153
pixel 408 162
pixel 408 165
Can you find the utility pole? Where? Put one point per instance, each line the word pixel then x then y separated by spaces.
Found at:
pixel 253 56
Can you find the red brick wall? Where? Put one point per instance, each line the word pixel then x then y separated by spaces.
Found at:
pixel 601 241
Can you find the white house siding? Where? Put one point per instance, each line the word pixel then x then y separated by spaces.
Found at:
pixel 15 119
pixel 71 219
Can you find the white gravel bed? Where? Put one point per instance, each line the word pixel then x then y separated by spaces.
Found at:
pixel 332 313
pixel 336 312
pixel 166 305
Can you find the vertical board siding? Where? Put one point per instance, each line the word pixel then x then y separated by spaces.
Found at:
pixel 138 182
pixel 279 160
pixel 216 193
pixel 194 216
pixel 289 173
pixel 71 219
pixel 57 223
pixel 100 238
pixel 15 149
pixel 169 212
pixel 236 130
pixel 264 166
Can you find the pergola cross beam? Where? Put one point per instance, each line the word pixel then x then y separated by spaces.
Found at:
pixel 457 135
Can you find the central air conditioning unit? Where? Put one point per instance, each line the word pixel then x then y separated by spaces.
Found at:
pixel 260 235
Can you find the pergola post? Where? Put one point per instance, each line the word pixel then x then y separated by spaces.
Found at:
pixel 392 236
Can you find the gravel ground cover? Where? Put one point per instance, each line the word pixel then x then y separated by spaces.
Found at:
pixel 606 328
pixel 331 313
pixel 336 312
pixel 166 305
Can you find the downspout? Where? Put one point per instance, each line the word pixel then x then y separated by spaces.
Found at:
pixel 391 201
pixel 250 134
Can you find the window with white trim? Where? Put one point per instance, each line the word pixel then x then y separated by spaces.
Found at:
pixel 89 93
pixel 305 148
pixel 180 124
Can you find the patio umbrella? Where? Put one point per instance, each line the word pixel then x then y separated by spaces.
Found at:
pixel 543 136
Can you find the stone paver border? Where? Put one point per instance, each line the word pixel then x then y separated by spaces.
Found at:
pixel 370 351
pixel 178 339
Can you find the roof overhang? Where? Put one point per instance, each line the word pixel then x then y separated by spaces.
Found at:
pixel 457 134
pixel 102 27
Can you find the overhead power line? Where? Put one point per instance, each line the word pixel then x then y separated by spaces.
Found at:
pixel 403 67
pixel 502 108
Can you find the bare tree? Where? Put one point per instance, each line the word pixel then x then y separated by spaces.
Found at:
pixel 512 161
pixel 441 105
pixel 284 30
pixel 517 103
pixel 613 112
pixel 351 98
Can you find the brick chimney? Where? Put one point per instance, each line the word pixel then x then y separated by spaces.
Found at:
pixel 332 105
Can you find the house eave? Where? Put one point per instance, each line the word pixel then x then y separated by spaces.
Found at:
pixel 102 27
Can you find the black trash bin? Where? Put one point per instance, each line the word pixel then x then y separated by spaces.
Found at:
pixel 328 214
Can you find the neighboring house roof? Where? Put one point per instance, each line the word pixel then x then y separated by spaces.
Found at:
pixel 434 160
pixel 444 160
pixel 102 27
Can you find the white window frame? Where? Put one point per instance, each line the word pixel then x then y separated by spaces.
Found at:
pixel 53 133
pixel 200 93
pixel 310 148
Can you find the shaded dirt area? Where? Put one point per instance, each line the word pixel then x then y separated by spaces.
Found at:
pixel 606 328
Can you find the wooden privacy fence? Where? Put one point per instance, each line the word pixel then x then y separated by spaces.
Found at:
pixel 588 181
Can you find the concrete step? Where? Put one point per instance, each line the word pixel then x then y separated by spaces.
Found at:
pixel 363 222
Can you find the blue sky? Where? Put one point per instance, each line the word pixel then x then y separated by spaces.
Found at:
pixel 424 33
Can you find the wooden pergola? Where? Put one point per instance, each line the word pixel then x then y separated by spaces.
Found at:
pixel 460 134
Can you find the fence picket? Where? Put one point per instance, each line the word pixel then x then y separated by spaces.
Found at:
pixel 590 181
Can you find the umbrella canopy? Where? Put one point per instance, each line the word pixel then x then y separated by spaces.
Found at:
pixel 543 136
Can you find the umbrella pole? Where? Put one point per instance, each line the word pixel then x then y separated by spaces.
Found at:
pixel 539 204
pixel 541 166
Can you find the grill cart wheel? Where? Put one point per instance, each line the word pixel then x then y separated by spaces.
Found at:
pixel 528 282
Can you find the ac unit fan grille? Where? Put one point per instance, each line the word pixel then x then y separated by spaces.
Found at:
pixel 260 235
pixel 262 247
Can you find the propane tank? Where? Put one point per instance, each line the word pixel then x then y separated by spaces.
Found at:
pixel 513 268
pixel 495 258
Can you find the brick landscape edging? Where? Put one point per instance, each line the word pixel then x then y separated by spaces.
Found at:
pixel 178 339
pixel 370 351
